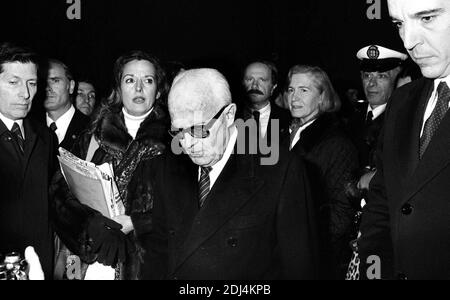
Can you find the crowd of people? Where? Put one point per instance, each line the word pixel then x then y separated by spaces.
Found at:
pixel 343 188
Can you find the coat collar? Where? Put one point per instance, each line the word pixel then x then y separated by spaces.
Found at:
pixel 31 133
pixel 77 125
pixel 316 132
pixel 233 189
pixel 3 128
pixel 32 129
pixel 112 133
pixel 409 123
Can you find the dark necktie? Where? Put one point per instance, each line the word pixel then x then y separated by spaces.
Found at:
pixel 53 127
pixel 256 116
pixel 204 185
pixel 369 118
pixel 294 128
pixel 432 124
pixel 19 137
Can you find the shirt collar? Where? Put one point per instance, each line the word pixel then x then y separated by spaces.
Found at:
pixel 9 123
pixel 64 120
pixel 220 165
pixel 265 109
pixel 377 111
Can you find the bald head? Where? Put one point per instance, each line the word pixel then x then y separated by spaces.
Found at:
pixel 199 90
pixel 202 97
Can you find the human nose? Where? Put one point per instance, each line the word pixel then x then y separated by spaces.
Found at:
pixel 296 95
pixel 48 88
pixel 25 91
pixel 372 81
pixel 411 36
pixel 139 85
pixel 187 141
pixel 87 100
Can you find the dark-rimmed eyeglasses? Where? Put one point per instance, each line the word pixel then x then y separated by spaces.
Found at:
pixel 198 131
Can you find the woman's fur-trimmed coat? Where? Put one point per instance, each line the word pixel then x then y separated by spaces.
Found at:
pixel 71 218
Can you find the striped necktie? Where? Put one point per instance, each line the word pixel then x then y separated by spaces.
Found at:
pixel 19 137
pixel 432 124
pixel 204 185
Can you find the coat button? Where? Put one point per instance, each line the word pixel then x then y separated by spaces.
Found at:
pixel 232 242
pixel 407 209
pixel 172 232
pixel 402 276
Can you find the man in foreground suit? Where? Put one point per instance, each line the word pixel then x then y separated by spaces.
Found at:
pixel 405 225
pixel 62 117
pixel 27 160
pixel 225 216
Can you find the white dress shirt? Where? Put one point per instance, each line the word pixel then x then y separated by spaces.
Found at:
pixel 433 101
pixel 10 123
pixel 264 118
pixel 377 111
pixel 299 132
pixel 62 123
pixel 218 167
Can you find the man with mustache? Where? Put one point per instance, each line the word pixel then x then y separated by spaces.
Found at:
pixel 405 225
pixel 62 117
pixel 27 160
pixel 260 82
pixel 380 67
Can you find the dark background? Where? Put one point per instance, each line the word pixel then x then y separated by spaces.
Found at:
pixel 219 34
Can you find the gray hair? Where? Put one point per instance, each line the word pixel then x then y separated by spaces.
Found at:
pixel 209 85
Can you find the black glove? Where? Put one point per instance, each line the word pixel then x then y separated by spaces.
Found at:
pixel 108 241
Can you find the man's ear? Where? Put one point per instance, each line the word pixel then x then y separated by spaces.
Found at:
pixel 158 95
pixel 231 114
pixel 71 87
pixel 273 89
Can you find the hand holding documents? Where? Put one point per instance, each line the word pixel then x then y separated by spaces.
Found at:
pixel 92 185
pixel 95 187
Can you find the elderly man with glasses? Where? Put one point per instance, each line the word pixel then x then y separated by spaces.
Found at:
pixel 218 214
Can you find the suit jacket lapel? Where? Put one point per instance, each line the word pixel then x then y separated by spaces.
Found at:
pixel 276 113
pixel 409 123
pixel 234 187
pixel 434 160
pixel 187 196
pixel 70 131
pixel 10 149
pixel 30 141
pixel 76 127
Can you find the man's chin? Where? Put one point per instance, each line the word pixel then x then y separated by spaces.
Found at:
pixel 376 101
pixel 19 115
pixel 257 99
pixel 200 161
pixel 432 72
pixel 204 161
